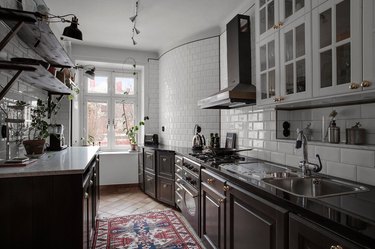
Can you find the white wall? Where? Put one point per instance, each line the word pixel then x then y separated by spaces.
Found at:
pixel 118 168
pixel 187 74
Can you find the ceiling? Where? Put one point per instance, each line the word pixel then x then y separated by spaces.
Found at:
pixel 163 23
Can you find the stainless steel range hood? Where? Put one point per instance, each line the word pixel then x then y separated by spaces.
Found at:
pixel 240 91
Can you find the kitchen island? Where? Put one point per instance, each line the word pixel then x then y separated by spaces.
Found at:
pixel 51 203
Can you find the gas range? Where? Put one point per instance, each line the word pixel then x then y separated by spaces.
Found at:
pixel 216 160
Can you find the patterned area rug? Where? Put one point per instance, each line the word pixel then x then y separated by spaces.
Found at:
pixel 163 229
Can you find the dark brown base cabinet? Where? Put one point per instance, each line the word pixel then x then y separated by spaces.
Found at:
pixel 150 184
pixel 140 171
pixel 54 211
pixel 253 222
pixel 165 190
pixel 304 234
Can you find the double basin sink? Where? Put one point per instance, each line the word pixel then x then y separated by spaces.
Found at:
pixel 294 183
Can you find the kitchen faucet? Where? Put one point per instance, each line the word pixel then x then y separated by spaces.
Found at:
pixel 305 165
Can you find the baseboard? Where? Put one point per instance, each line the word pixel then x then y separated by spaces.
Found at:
pixel 117 186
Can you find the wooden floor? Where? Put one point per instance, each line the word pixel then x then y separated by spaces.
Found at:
pixel 119 201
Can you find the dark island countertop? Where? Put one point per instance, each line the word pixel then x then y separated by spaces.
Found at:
pixel 355 213
pixel 72 160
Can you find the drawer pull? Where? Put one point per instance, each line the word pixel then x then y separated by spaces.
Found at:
pixel 86 195
pixel 91 183
pixel 178 180
pixel 354 86
pixel 178 201
pixel 210 180
pixel 365 83
pixel 337 247
pixel 149 179
pixel 164 185
pixel 164 159
pixel 226 188
pixel 178 170
pixel 178 161
pixel 95 174
pixel 178 189
pixel 220 200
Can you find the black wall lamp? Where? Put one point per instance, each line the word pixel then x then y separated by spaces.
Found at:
pixel 89 70
pixel 71 31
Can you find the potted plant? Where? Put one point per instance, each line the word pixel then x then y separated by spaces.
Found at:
pixel 38 130
pixel 130 129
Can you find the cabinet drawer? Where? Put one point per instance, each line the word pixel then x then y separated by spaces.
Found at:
pixel 150 184
pixel 214 181
pixel 149 160
pixel 165 164
pixel 178 160
pixel 166 191
pixel 178 189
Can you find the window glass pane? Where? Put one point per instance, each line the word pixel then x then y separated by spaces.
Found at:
pixel 300 40
pixel 262 20
pixel 289 82
pixel 301 76
pixel 288 8
pixel 343 20
pixel 271 54
pixel 326 69
pixel 97 120
pixel 271 83
pixel 98 85
pixel 270 14
pixel 343 64
pixel 261 2
pixel 325 28
pixel 289 45
pixel 263 85
pixel 263 60
pixel 124 117
pixel 124 84
pixel 299 5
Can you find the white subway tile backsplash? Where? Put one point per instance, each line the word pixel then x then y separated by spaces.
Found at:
pixel 285 147
pixel 358 157
pixel 342 170
pixel 270 145
pixel 367 110
pixel 366 175
pixel 253 117
pixel 328 153
pixel 253 134
pixel 258 126
pixel 258 143
pixel 278 157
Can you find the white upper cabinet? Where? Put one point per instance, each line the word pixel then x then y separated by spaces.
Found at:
pixel 272 15
pixel 295 60
pixel 337 47
pixel 368 81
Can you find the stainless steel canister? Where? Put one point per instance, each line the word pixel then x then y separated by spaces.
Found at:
pixel 334 135
pixel 356 135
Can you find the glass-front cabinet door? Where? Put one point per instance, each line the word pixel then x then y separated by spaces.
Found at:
pixel 268 69
pixel 295 60
pixel 266 17
pixel 290 10
pixel 337 47
pixel 368 81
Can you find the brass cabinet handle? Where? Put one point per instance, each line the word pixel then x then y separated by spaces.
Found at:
pixel 178 189
pixel 178 180
pixel 280 24
pixel 91 183
pixel 365 83
pixel 354 86
pixel 226 188
pixel 178 161
pixel 95 175
pixel 164 159
pixel 337 247
pixel 178 170
pixel 178 201
pixel 86 195
pixel 149 179
pixel 278 99
pixel 274 26
pixel 220 200
pixel 210 180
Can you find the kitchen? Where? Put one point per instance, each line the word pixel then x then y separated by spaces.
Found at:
pixel 246 82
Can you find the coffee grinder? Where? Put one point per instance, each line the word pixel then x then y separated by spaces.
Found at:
pixel 56 138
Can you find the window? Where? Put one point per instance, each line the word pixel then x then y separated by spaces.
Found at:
pixel 106 108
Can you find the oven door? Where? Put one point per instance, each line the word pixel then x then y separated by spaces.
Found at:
pixel 190 205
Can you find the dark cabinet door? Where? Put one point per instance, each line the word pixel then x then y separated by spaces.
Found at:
pixel 86 214
pixel 150 184
pixel 149 161
pixel 212 217
pixel 166 190
pixel 165 164
pixel 253 222
pixel 304 234
pixel 140 171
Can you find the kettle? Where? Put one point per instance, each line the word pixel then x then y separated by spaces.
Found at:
pixel 198 140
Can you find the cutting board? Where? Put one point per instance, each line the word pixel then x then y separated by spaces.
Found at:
pixel 4 165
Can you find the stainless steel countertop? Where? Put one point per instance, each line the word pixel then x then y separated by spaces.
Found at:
pixel 72 160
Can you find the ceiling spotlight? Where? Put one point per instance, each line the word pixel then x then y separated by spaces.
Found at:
pixel 133 18
pixel 72 31
pixel 134 42
pixel 137 31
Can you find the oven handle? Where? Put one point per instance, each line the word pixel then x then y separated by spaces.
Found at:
pixel 188 191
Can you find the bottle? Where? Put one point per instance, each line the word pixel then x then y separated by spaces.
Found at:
pixel 212 140
pixel 333 133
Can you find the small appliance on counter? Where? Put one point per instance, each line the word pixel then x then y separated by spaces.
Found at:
pixel 198 141
pixel 151 139
pixel 356 135
pixel 56 138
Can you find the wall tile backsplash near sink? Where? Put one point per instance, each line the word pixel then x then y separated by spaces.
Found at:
pixel 351 162
pixel 347 116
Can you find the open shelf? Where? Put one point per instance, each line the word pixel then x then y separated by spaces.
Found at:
pixel 39 78
pixel 36 33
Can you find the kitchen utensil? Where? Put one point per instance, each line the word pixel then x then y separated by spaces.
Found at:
pixel 356 135
pixel 56 138
pixel 198 140
pixel 230 140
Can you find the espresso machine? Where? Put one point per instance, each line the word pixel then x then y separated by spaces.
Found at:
pixel 56 138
